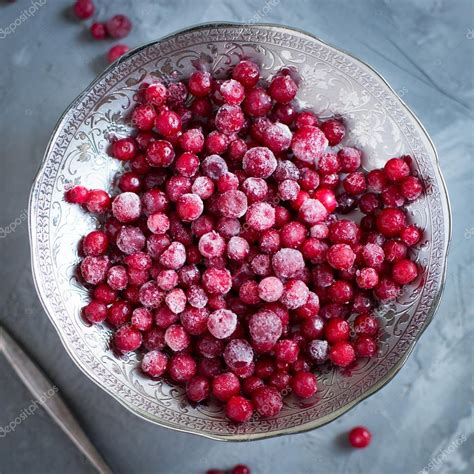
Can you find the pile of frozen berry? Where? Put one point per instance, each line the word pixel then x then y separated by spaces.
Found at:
pixel 231 257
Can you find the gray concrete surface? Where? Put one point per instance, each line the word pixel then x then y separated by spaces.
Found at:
pixel 422 421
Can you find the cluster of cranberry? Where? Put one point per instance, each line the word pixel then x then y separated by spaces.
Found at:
pixel 117 27
pixel 222 257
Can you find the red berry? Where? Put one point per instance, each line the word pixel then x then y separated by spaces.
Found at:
pixel 154 363
pixel 77 195
pixel 282 89
pixel 119 26
pixel 241 469
pixel 360 437
pixel 247 73
pixel 267 401
pixel 116 51
pixel 303 384
pixel 365 346
pixel 95 312
pixel 334 131
pixel 200 83
pixel 225 386
pixel 342 354
pixel 308 144
pixel 182 367
pixel 396 169
pixel 349 159
pixel 404 271
pixel 411 188
pixel 198 388
pixel 127 339
pixel 98 30
pixel 411 235
pixel 95 243
pixel 390 222
pixel 84 9
pixel 239 410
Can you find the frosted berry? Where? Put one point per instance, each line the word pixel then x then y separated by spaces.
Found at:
pixel 225 386
pixel 119 26
pixel 98 201
pixel 334 131
pixel 265 328
pixel 282 89
pixel 127 339
pixel 126 207
pixel 95 312
pixel 257 102
pixel 390 222
pixel 222 323
pixel 259 162
pixel 267 401
pixel 154 363
pixel 247 73
pixel 198 388
pixel 200 83
pixel 181 367
pixel 337 329
pixel 309 144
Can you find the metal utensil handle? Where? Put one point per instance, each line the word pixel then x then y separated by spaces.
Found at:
pixel 40 387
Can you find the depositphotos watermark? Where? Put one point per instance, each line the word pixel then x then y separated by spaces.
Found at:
pixel 28 411
pixel 10 228
pixel 263 12
pixel 440 458
pixel 25 15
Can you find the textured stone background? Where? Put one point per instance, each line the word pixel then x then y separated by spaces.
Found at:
pixel 425 50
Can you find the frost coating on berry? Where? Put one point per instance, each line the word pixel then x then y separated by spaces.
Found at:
pixel 176 300
pixel 259 162
pixel 176 338
pixel 312 211
pixel 256 189
pixel 287 263
pixel 151 295
pixel 277 137
pixel 217 281
pixel 233 204
pixel 94 269
pixel 229 119
pixel 127 339
pixel 126 207
pixel 174 256
pixel 211 245
pixel 265 329
pixel 154 363
pixel 295 294
pixel 214 166
pixel 222 323
pixel 309 144
pixel 260 216
pixel 189 207
pixel 237 248
pixel 238 354
pixel 203 187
